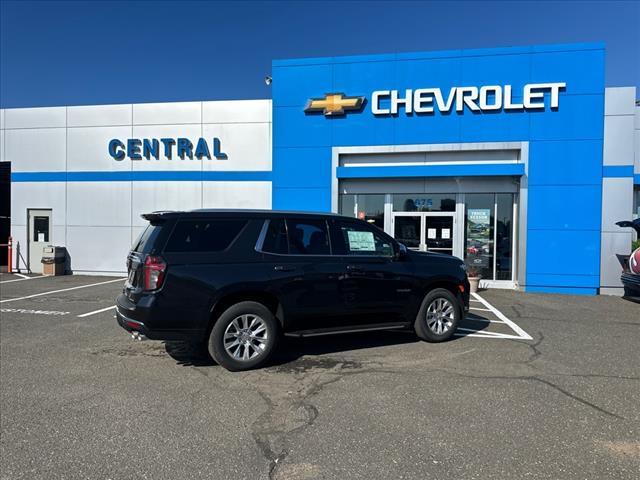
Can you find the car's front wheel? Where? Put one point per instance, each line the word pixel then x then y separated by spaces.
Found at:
pixel 244 336
pixel 438 316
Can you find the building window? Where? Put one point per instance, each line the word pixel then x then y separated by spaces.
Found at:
pixel 489 231
pixel 504 236
pixel 367 207
pixel 478 233
pixel 424 202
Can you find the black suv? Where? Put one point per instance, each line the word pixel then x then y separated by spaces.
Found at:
pixel 237 280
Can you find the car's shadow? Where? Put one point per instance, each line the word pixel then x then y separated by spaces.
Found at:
pixel 292 349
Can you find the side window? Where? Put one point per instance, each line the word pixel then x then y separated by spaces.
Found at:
pixel 362 240
pixel 212 235
pixel 308 237
pixel 275 241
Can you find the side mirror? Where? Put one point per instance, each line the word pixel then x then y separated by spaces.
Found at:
pixel 401 252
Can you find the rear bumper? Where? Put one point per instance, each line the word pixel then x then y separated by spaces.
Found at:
pixel 631 284
pixel 139 318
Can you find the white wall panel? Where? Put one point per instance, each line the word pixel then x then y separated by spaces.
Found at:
pixel 88 148
pixel 237 195
pixel 152 196
pixel 247 146
pixel 619 100
pixel 101 249
pixel 36 150
pixel 167 113
pixel 25 195
pixel 99 115
pixel 236 111
pixel 192 132
pixel 618 140
pixel 617 202
pixel 1 118
pixel 2 159
pixel 637 140
pixel 58 235
pixel 35 117
pixel 99 203
pixel 618 243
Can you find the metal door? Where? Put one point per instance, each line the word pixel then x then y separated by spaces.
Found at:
pixel 39 234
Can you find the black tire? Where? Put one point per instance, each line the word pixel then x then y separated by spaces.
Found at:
pixel 237 313
pixel 438 296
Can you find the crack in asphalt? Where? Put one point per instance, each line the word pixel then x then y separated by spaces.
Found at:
pixel 289 412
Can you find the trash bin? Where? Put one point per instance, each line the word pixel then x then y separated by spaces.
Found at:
pixel 53 259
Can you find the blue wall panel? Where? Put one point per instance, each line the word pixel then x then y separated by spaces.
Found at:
pixel 564 207
pixel 302 199
pixel 296 163
pixel 565 144
pixel 570 162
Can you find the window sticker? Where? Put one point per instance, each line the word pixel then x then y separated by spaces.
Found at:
pixel 361 241
pixel 446 233
pixel 431 233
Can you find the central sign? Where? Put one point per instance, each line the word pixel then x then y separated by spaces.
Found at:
pixel 137 149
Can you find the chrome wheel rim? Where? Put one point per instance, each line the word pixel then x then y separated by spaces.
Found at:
pixel 245 338
pixel 440 316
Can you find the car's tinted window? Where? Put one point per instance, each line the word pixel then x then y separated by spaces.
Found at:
pixel 211 235
pixel 147 238
pixel 275 240
pixel 360 239
pixel 308 237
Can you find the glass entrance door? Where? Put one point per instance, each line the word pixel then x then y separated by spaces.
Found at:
pixel 408 229
pixel 439 233
pixel 425 231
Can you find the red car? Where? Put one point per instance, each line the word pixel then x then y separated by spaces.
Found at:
pixel 631 264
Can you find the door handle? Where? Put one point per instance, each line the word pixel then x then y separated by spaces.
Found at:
pixel 353 268
pixel 283 268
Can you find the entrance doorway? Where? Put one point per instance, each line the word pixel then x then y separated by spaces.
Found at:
pixel 425 231
pixel 39 234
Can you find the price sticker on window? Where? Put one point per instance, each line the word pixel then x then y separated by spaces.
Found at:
pixel 361 241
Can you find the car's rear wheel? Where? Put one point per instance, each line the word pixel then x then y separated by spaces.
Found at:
pixel 244 336
pixel 438 316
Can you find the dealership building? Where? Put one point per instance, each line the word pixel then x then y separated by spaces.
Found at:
pixel 517 159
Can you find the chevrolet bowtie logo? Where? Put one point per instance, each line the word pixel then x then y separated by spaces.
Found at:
pixel 333 104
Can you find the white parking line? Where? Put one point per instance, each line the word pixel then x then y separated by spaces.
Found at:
pixel 522 335
pixel 32 312
pixel 23 278
pixel 62 290
pixel 480 309
pixel 96 311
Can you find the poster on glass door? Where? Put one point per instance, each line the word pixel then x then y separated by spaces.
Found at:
pixel 478 237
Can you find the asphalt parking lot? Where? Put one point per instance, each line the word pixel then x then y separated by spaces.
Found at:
pixel 552 392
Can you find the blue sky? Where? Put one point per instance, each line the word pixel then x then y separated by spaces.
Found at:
pixel 80 53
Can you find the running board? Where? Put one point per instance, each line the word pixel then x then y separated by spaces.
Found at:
pixel 351 329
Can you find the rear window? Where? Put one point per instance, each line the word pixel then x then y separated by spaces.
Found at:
pixel 212 235
pixel 146 240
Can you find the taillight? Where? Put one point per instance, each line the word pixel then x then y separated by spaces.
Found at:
pixel 154 270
